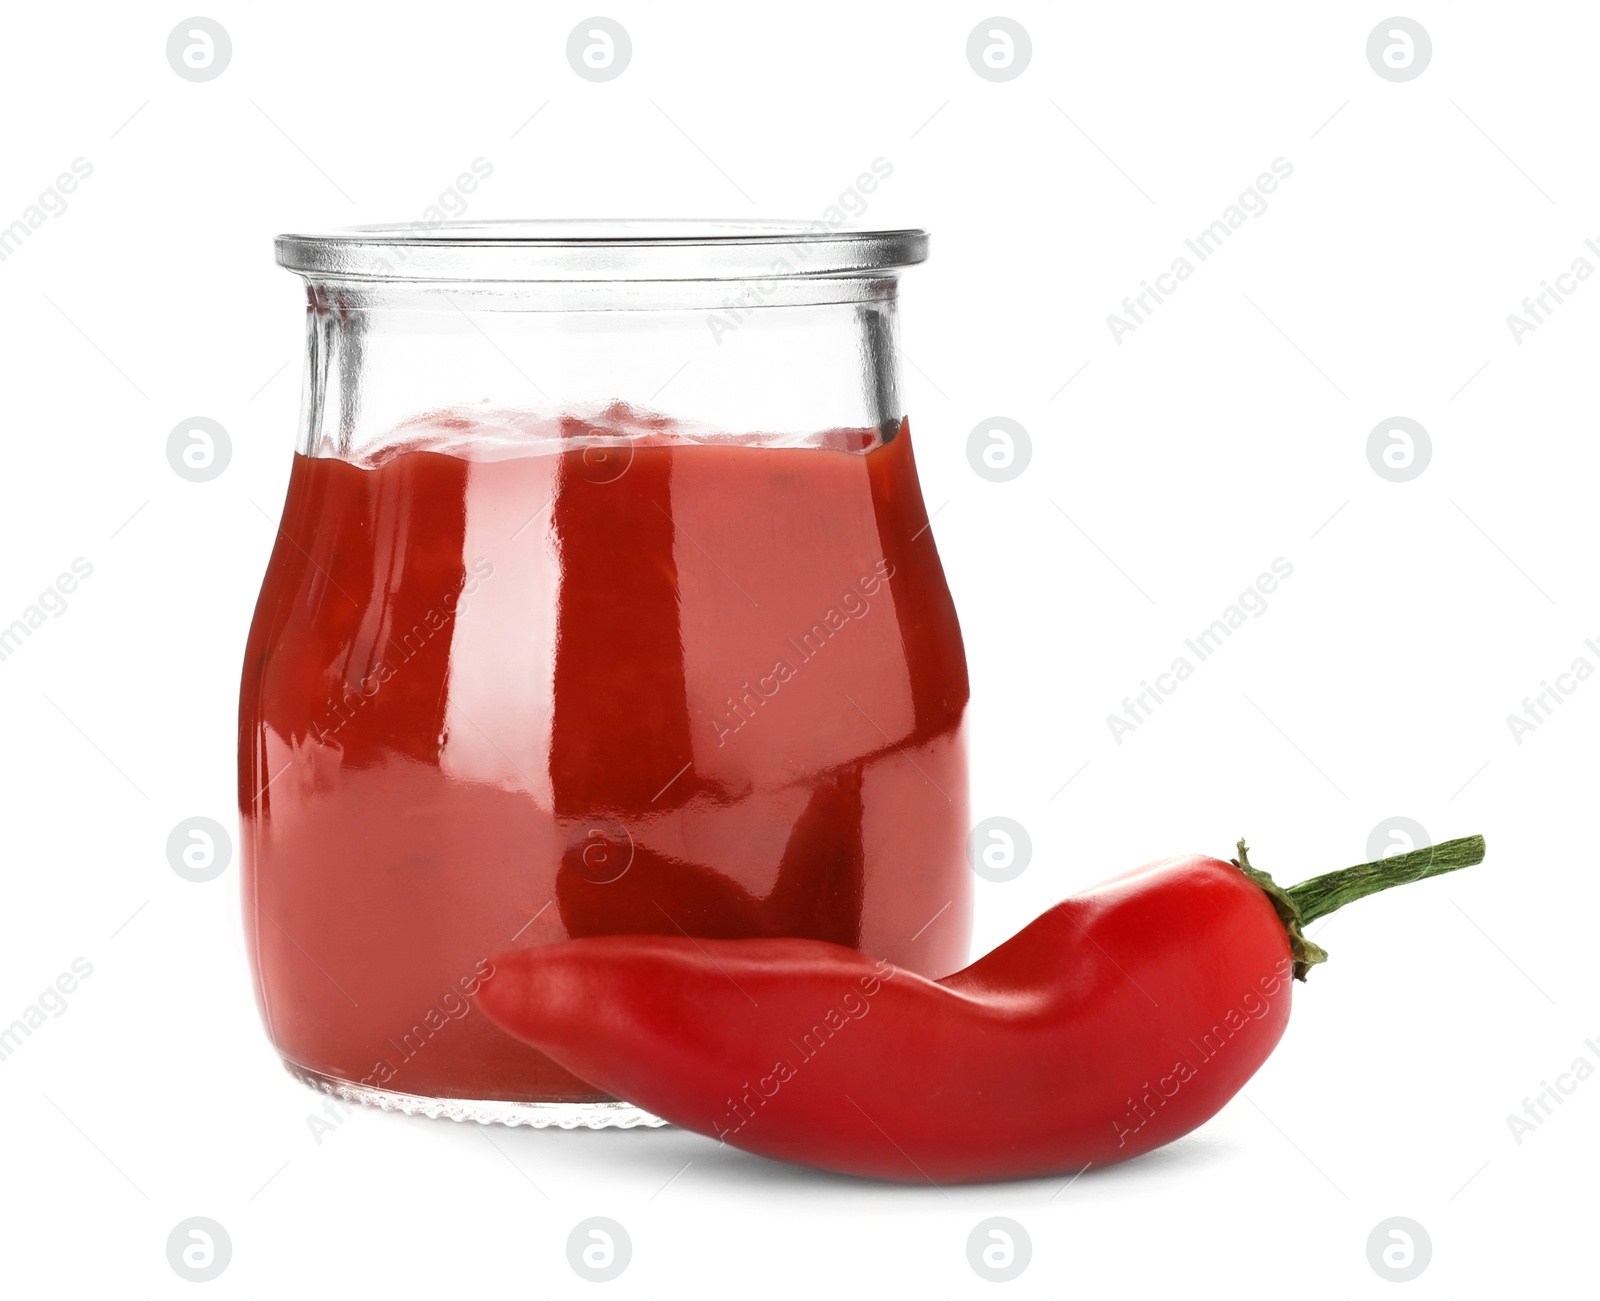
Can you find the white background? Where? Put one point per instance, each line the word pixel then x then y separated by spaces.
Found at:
pixel 1228 430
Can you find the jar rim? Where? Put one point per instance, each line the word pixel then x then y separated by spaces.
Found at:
pixel 599 249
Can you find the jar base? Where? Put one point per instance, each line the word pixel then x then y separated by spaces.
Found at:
pixel 541 1115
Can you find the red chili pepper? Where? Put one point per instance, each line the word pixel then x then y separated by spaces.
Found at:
pixel 1116 1022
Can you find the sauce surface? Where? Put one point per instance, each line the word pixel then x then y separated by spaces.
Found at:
pixel 645 685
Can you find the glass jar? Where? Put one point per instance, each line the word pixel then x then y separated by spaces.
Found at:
pixel 604 600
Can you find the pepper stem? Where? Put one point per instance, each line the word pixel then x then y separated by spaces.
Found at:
pixel 1300 905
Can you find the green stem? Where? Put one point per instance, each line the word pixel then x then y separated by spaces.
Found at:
pixel 1322 895
pixel 1300 905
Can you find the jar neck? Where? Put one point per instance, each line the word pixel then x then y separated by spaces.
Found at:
pixel 787 359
